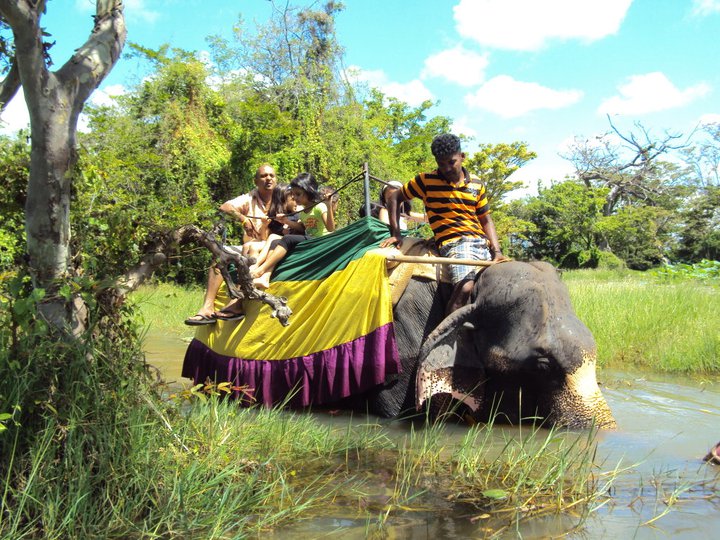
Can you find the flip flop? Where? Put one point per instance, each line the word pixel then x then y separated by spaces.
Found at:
pixel 199 320
pixel 228 316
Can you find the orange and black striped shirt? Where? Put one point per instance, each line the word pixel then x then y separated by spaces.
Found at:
pixel 453 210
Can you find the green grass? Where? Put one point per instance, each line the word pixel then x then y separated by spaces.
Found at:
pixel 640 321
pixel 163 307
pixel 213 470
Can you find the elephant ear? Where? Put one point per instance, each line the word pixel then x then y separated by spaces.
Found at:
pixel 448 362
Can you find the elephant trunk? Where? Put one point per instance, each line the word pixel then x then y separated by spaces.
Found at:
pixel 579 404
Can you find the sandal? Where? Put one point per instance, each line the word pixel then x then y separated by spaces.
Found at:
pixel 199 320
pixel 228 316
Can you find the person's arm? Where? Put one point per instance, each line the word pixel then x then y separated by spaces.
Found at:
pixel 488 226
pixel 240 213
pixel 295 225
pixel 329 216
pixel 393 204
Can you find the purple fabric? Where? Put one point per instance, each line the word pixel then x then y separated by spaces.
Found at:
pixel 324 377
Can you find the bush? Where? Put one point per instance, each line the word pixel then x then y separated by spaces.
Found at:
pixel 585 258
pixel 704 270
pixel 609 261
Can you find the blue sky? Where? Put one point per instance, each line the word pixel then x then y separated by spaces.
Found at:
pixel 542 72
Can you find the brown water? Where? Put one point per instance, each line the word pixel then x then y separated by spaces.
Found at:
pixel 665 425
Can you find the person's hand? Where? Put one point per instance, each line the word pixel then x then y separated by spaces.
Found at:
pixel 249 227
pixel 497 256
pixel 393 240
pixel 282 218
pixel 331 201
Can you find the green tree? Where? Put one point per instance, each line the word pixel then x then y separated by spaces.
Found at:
pixel 635 234
pixel 150 165
pixel 495 163
pixel 699 237
pixel 15 164
pixel 564 220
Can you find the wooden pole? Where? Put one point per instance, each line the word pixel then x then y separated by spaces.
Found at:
pixel 437 260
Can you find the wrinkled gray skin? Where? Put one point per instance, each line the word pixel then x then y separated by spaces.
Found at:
pixel 518 349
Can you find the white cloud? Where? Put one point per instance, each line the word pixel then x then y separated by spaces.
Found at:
pixel 413 93
pixel 105 97
pixel 509 98
pixel 711 118
pixel 15 116
pixel 134 10
pixel 461 127
pixel 648 93
pixel 528 24
pixel 702 8
pixel 457 65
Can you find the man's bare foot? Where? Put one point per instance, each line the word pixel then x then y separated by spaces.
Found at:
pixel 262 282
pixel 201 318
pixel 232 305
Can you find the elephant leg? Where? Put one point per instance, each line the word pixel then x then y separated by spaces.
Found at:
pixel 397 396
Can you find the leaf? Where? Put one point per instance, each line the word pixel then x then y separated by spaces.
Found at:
pixel 496 494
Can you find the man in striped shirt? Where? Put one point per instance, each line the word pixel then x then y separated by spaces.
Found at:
pixel 458 212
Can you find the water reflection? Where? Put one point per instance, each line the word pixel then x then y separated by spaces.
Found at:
pixel 665 425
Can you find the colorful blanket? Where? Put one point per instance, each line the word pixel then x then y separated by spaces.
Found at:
pixel 340 341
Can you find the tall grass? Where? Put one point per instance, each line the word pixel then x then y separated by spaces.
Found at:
pixel 497 484
pixel 644 322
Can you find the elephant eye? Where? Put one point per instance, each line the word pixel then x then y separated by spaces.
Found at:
pixel 543 363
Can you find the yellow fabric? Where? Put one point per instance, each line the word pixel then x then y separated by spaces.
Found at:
pixel 348 304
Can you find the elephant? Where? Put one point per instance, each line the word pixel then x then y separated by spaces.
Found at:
pixel 516 352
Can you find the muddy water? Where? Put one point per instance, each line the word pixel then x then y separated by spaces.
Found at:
pixel 666 424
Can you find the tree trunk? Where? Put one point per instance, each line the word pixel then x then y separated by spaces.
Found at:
pixel 47 209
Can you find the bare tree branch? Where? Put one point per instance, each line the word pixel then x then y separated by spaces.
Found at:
pixel 160 247
pixel 628 169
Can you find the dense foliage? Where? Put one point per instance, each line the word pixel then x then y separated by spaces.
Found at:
pixel 191 135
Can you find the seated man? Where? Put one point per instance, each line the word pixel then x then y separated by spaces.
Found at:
pixel 458 212
pixel 252 210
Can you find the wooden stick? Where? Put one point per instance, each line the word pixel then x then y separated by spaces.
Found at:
pixel 437 260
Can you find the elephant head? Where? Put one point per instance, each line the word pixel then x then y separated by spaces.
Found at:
pixel 518 349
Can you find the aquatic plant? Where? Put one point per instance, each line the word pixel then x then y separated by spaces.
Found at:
pixel 705 270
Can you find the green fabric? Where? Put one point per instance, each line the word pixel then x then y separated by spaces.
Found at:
pixel 317 258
